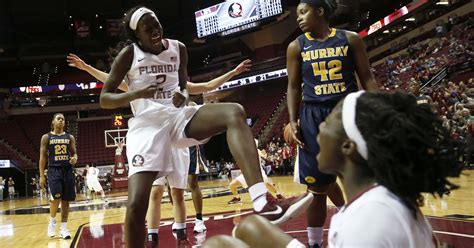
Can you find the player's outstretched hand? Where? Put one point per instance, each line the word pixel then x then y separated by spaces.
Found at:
pixel 243 66
pixel 74 61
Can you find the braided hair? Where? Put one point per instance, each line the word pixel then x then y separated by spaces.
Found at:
pixel 127 35
pixel 410 152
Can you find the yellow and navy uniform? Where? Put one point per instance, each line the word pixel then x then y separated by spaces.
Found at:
pixel 327 74
pixel 59 149
pixel 61 181
pixel 327 67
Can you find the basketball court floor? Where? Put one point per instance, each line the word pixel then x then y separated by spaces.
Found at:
pixel 23 223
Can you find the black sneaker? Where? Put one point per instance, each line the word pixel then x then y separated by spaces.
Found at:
pixel 315 246
pixel 152 240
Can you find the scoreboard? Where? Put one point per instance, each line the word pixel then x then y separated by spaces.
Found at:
pixel 232 16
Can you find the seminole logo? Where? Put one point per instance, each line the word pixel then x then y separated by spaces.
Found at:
pixel 138 160
pixel 235 10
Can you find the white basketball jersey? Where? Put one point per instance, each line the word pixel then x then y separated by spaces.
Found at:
pixel 161 69
pixel 92 173
pixel 379 219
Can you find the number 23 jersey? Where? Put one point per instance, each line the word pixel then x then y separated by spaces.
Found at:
pixel 327 67
pixel 59 149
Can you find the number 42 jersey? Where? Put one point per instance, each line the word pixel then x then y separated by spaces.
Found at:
pixel 327 67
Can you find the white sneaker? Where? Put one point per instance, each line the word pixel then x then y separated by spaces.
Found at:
pixel 52 228
pixel 64 234
pixel 199 226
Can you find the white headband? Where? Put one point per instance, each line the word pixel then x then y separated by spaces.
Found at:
pixel 349 122
pixel 137 15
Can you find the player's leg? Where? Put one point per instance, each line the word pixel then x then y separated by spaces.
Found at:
pixel 212 119
pixel 253 228
pixel 55 189
pixel 316 215
pixel 69 194
pixel 197 201
pixel 53 210
pixel 196 193
pixel 139 187
pixel 63 231
pixel 153 217
pixel 335 195
pixel 307 172
pixel 194 158
pixel 233 187
pixel 179 212
pixel 98 188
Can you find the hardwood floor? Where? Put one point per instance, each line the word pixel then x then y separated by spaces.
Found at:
pixel 23 222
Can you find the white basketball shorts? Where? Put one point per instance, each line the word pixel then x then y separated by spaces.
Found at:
pixel 178 178
pixel 154 134
pixel 94 185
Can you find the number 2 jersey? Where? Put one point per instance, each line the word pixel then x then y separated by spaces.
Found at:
pixel 150 69
pixel 59 149
pixel 327 67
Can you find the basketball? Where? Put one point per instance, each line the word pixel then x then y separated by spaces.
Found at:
pixel 287 134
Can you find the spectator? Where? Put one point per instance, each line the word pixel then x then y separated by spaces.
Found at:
pixel 2 187
pixel 11 188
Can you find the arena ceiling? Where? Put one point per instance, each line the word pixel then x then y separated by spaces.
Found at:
pixel 36 28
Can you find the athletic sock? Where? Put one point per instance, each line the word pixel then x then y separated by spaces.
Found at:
pixel 257 192
pixel 153 230
pixel 63 225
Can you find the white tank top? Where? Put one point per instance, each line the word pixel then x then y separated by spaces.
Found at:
pixel 161 69
pixel 379 219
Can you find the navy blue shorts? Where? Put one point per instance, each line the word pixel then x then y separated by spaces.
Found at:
pixel 193 159
pixel 193 170
pixel 61 183
pixel 306 165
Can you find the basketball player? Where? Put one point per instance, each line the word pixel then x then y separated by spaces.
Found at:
pixel 240 181
pixel 155 70
pixel 321 64
pixel 59 149
pixel 93 182
pixel 195 153
pixel 387 150
pixel 197 160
